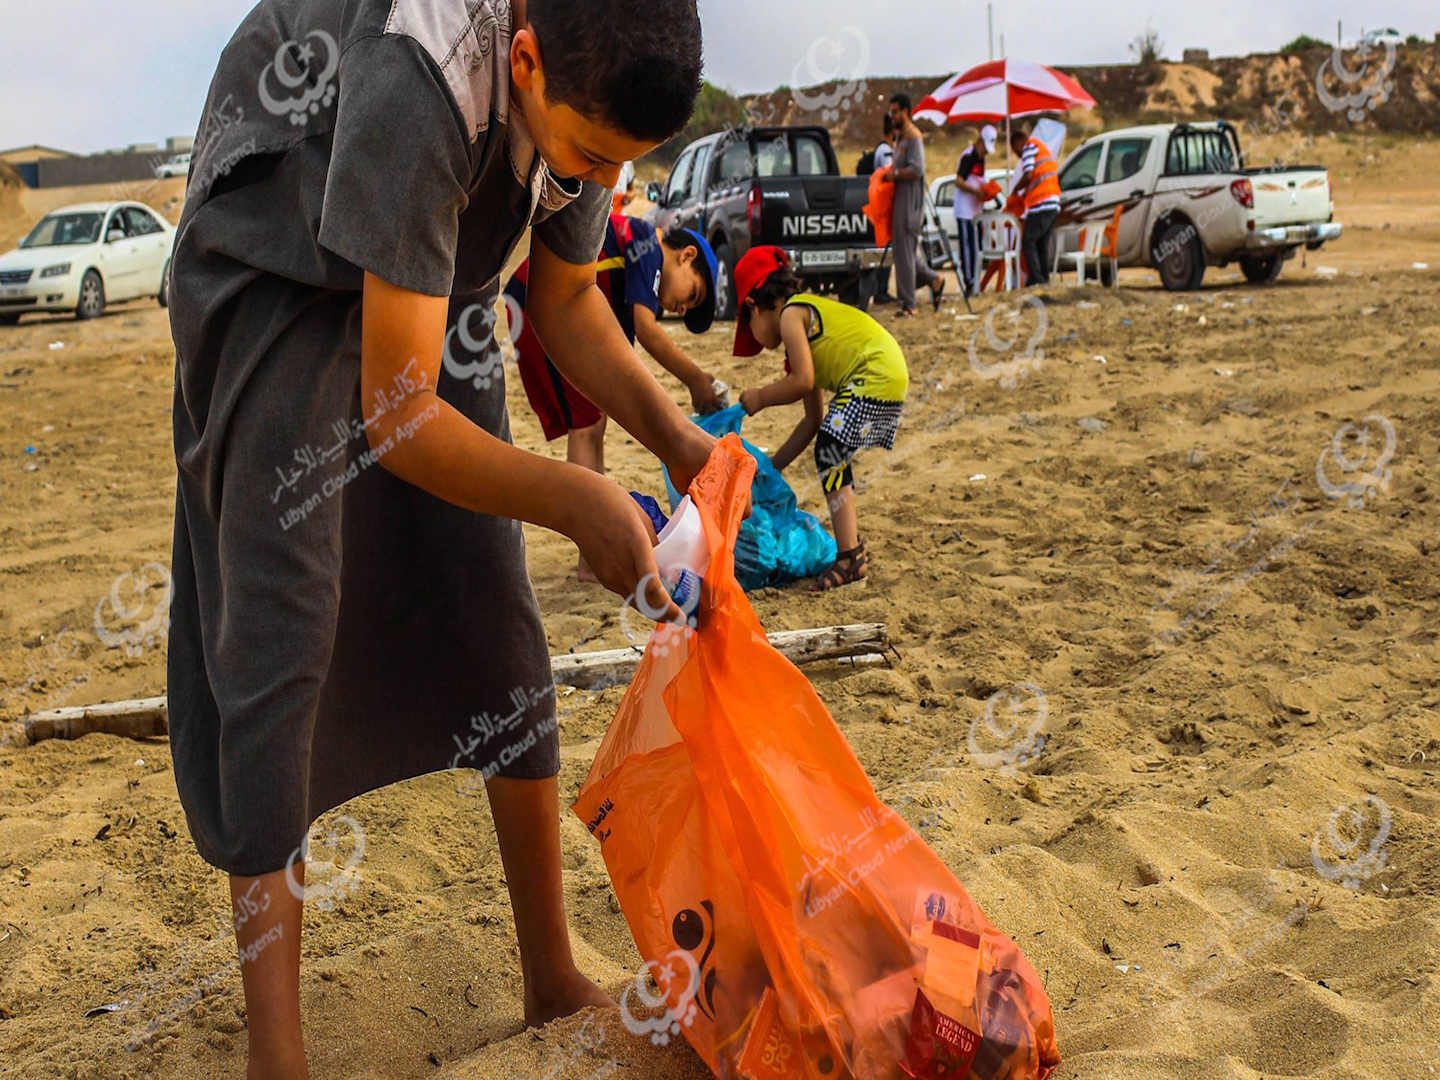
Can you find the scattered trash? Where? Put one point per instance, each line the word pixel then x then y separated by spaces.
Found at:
pixel 1085 305
pixel 1247 299
pixel 47 429
pixel 1180 307
pixel 29 449
pixel 101 1010
pixel 139 761
pixel 56 345
pixel 1419 266
pixel 1124 969
pixel 1368 310
pixel 979 476
pixel 1224 372
pixel 1201 320
pixel 1098 359
pixel 966 318
pixel 1092 425
pixel 1195 458
pixel 1325 271
pixel 1125 322
pixel 1071 336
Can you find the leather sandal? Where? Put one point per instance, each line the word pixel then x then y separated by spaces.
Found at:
pixel 837 575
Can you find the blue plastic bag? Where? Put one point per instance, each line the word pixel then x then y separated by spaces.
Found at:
pixel 778 542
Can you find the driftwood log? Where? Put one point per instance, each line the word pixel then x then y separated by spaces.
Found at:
pixel 148 718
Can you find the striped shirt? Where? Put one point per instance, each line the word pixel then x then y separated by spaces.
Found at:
pixel 1026 172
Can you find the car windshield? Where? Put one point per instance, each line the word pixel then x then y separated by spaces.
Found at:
pixel 61 230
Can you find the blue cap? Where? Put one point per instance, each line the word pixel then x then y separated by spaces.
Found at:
pixel 698 319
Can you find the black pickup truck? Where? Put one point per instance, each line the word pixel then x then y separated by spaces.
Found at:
pixel 775 185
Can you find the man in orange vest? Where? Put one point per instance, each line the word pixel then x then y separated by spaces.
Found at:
pixel 1037 182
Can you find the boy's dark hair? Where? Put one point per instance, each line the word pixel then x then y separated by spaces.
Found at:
pixel 903 100
pixel 678 238
pixel 1019 136
pixel 779 287
pixel 634 65
pixel 889 125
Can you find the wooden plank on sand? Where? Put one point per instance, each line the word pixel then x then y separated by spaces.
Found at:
pixel 147 717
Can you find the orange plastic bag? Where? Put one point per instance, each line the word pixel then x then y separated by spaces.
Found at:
pixel 797 926
pixel 881 207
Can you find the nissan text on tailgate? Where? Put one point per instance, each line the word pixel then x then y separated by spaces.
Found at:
pixel 1187 201
pixel 781 186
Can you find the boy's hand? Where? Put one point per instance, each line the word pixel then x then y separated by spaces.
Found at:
pixel 703 396
pixel 618 541
pixel 750 400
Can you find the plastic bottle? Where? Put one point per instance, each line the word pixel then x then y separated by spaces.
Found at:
pixel 682 557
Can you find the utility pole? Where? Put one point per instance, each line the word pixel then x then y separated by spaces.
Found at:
pixel 990 27
pixel 1002 46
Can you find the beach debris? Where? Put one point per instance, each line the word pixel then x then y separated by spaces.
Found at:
pixel 1086 305
pixel 1092 425
pixel 1201 320
pixel 101 1010
pixel 1371 310
pixel 1099 359
pixel 1243 406
pixel 966 318
pixel 148 717
pixel 1325 271
pixel 1224 372
pixel 978 478
pixel 30 450
pixel 1181 307
pixel 1420 266
pixel 47 429
pixel 56 345
pixel 1195 458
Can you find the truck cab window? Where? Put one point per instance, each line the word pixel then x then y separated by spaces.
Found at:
pixel 675 190
pixel 810 157
pixel 699 173
pixel 1081 170
pixel 773 158
pixel 1127 157
pixel 737 162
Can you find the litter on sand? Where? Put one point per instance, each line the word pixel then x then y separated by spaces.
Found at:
pixel 1325 271
pixel 978 477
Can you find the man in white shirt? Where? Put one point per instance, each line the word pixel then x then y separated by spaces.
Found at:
pixel 970 202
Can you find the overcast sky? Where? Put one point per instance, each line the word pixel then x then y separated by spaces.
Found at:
pixel 85 75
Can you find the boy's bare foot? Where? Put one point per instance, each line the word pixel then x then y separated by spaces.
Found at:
pixel 550 1000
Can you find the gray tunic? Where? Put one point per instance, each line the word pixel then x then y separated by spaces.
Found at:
pixel 910 194
pixel 335 629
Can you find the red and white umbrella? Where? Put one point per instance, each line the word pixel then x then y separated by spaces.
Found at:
pixel 1001 89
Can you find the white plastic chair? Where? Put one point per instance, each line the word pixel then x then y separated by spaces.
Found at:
pixel 1000 242
pixel 1092 242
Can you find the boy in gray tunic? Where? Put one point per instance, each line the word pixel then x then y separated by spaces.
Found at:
pixel 351 605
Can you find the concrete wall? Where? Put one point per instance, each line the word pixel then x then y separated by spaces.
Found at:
pixel 101 169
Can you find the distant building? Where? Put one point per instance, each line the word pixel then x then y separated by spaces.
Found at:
pixel 1196 56
pixel 180 144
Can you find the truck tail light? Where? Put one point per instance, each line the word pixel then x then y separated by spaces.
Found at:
pixel 1244 193
pixel 1329 188
pixel 752 212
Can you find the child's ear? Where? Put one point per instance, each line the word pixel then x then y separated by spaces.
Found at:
pixel 689 255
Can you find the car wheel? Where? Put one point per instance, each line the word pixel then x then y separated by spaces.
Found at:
pixel 861 290
pixel 1258 270
pixel 92 297
pixel 1179 258
pixel 164 298
pixel 724 293
pixel 9 320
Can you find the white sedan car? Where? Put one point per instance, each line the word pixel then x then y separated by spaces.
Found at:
pixel 80 258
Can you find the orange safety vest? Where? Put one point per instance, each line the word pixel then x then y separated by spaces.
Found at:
pixel 1044 178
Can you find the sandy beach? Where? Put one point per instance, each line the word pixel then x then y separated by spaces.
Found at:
pixel 1220 846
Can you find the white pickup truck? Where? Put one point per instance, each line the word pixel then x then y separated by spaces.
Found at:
pixel 1188 202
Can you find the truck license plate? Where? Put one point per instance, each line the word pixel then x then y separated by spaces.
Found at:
pixel 822 258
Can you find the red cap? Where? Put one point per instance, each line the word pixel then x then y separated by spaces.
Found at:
pixel 751 272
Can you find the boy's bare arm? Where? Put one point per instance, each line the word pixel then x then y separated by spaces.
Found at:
pixel 426 441
pixel 674 359
pixel 574 322
pixel 804 431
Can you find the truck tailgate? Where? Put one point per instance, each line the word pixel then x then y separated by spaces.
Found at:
pixel 815 211
pixel 1294 195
